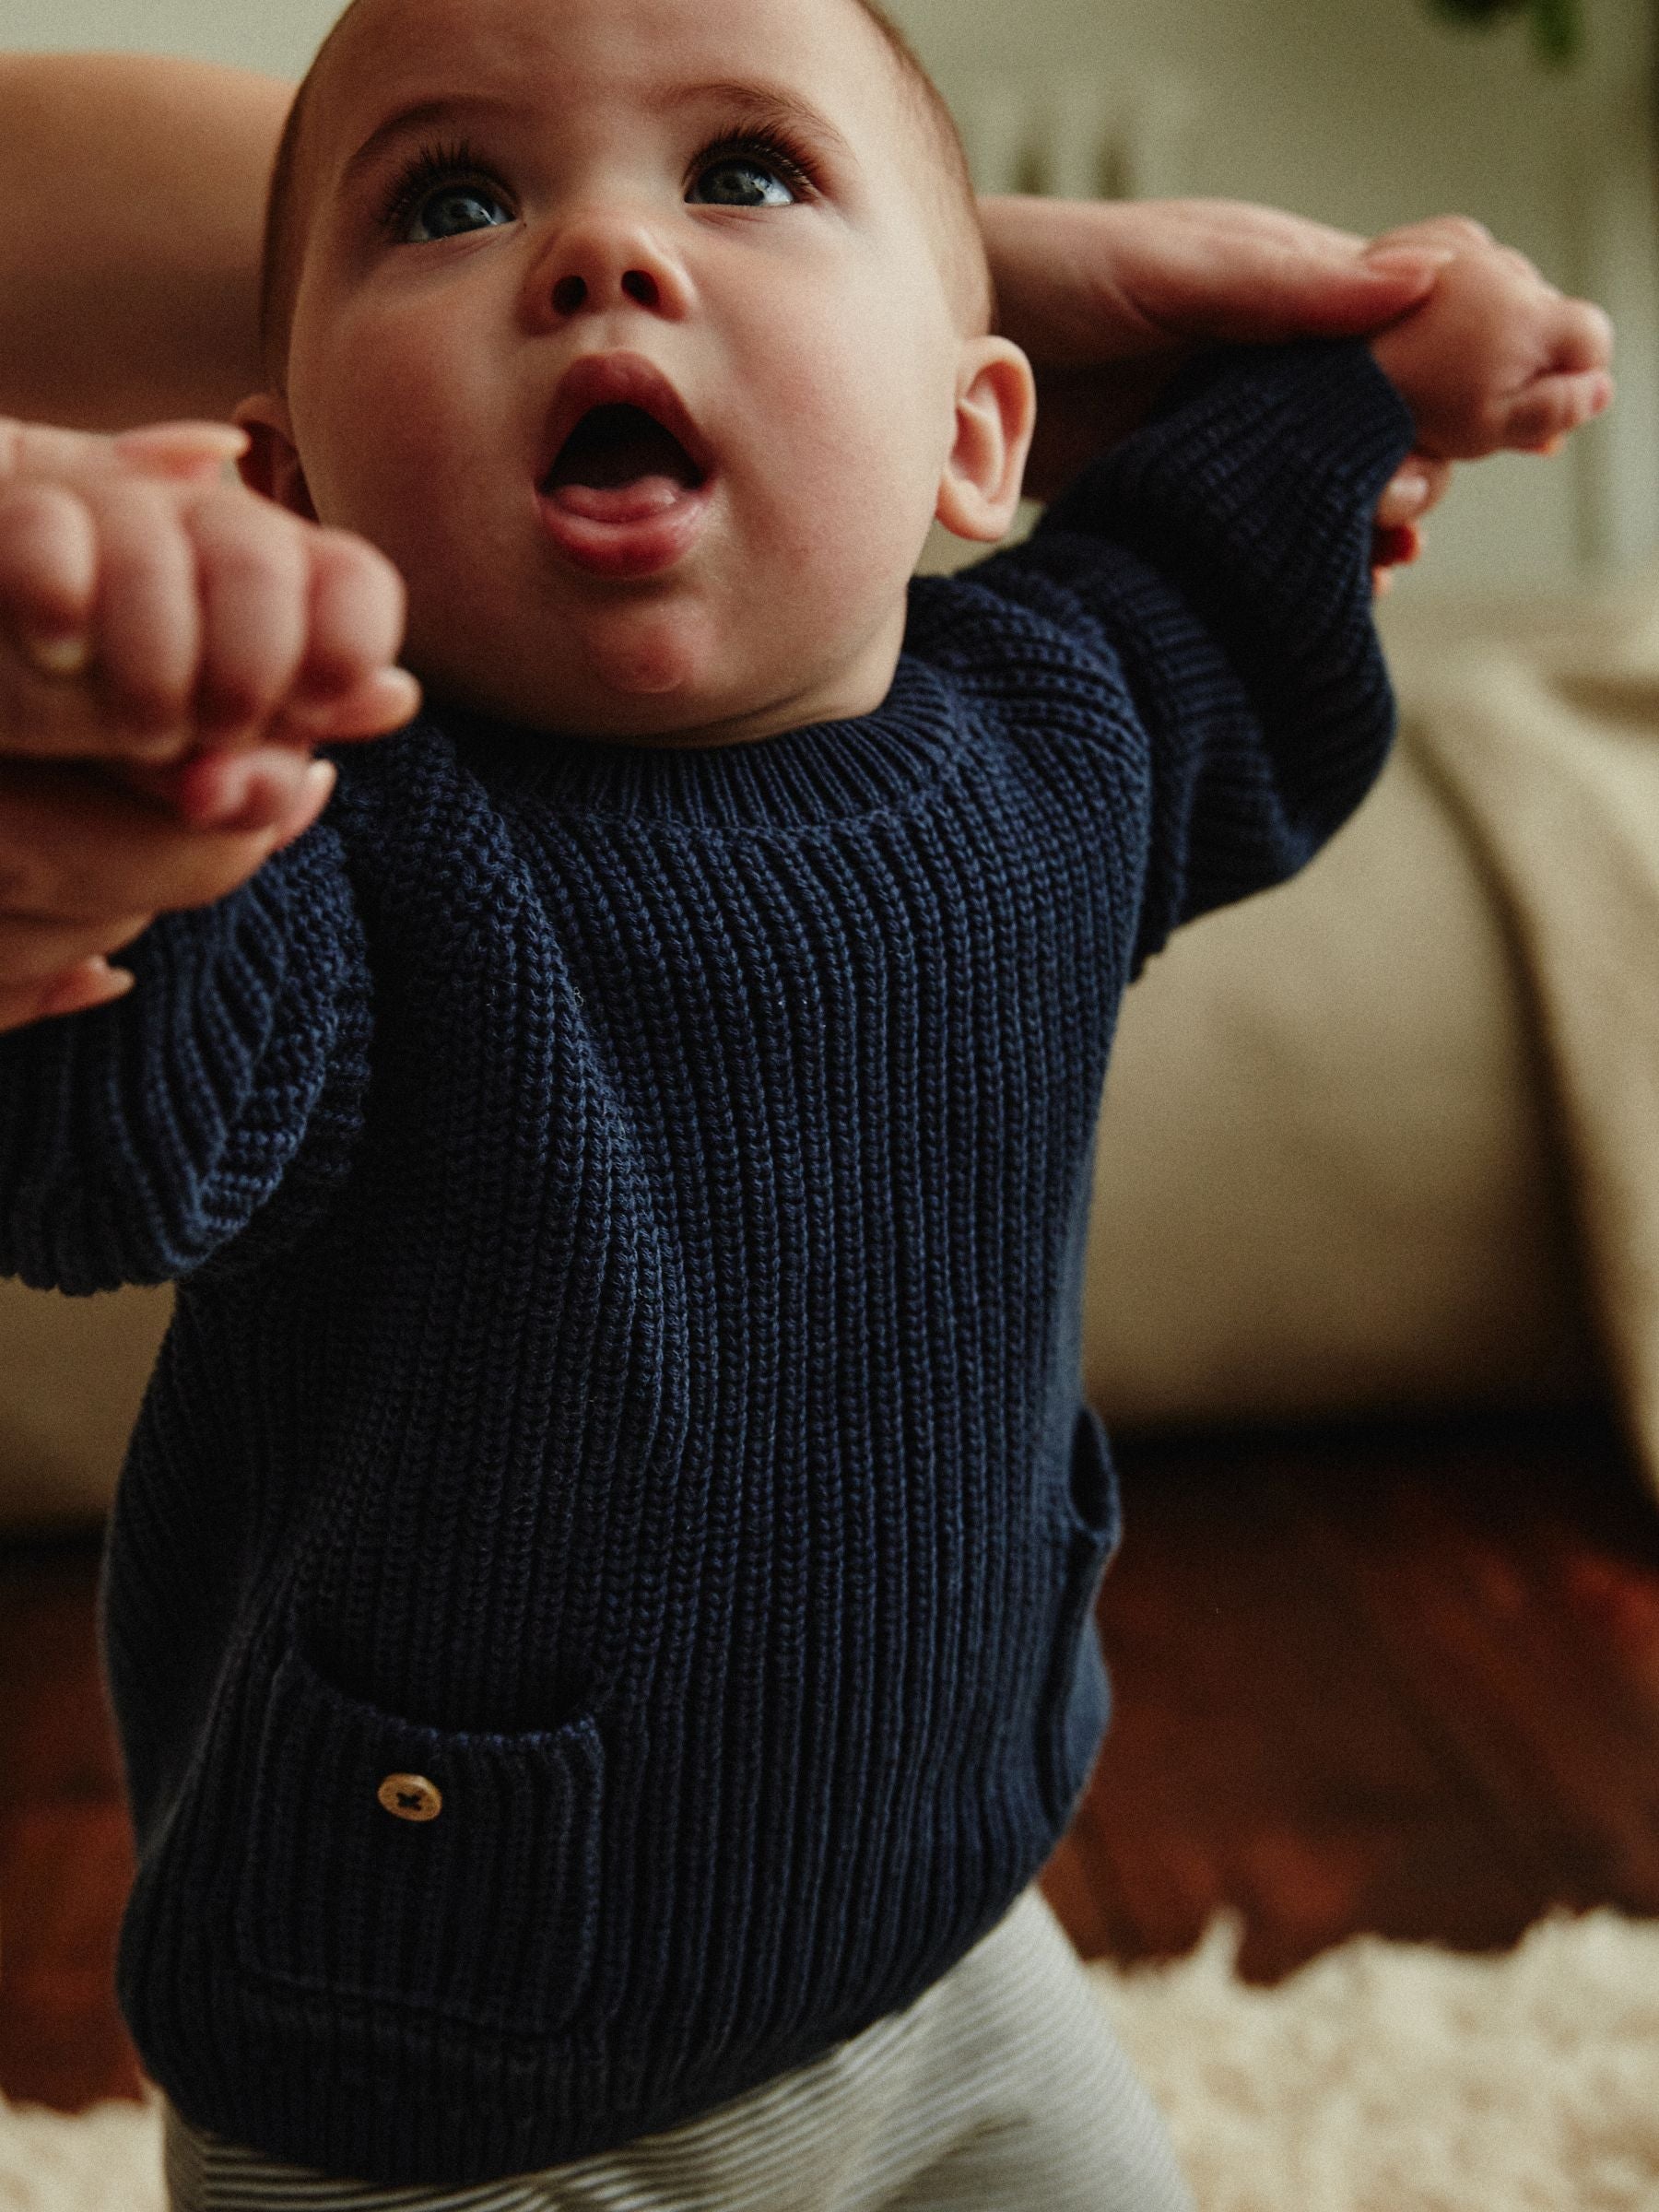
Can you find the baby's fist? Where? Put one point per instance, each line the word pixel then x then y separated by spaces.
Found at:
pixel 1495 359
pixel 149 609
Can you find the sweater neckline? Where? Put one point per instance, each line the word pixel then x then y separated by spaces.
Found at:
pixel 823 772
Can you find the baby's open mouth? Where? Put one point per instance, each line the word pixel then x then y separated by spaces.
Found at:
pixel 619 465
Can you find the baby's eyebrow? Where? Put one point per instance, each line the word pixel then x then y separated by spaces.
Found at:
pixel 420 115
pixel 755 105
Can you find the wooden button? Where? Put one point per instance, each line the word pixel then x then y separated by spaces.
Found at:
pixel 411 1798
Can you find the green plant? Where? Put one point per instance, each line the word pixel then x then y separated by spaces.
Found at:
pixel 1557 26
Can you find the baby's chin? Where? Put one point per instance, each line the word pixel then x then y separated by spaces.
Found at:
pixel 645 684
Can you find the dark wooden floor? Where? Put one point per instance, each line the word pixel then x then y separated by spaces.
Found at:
pixel 1402 1679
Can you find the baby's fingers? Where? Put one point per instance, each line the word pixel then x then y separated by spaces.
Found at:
pixel 147 631
pixel 1552 406
pixel 355 628
pixel 1416 488
pixel 254 589
pixel 1583 340
pixel 92 982
pixel 48 575
pixel 379 704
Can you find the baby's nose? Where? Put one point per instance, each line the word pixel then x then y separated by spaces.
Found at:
pixel 570 293
pixel 606 260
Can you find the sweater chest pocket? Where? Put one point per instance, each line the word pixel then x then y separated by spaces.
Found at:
pixel 415 1867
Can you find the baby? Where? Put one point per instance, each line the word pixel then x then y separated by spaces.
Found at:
pixel 598 1608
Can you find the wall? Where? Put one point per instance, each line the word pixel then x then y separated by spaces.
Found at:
pixel 1364 113
pixel 1367 113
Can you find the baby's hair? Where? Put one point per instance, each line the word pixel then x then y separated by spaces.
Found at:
pixel 956 209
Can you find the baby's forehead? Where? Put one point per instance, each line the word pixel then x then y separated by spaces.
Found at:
pixel 551 51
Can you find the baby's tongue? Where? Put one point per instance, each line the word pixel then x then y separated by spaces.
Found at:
pixel 619 465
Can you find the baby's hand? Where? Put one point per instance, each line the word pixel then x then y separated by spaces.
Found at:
pixel 171 647
pixel 153 609
pixel 1495 359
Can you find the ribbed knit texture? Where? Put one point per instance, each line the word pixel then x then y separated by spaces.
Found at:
pixel 628 1206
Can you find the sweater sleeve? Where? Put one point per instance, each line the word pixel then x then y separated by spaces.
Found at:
pixel 1212 578
pixel 137 1140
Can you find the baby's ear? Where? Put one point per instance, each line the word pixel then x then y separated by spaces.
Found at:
pixel 996 414
pixel 271 464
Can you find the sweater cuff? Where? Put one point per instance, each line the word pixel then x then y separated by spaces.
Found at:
pixel 1247 428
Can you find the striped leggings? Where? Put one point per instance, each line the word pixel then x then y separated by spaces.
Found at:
pixel 1001 2086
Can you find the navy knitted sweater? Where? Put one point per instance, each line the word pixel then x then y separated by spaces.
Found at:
pixel 623 1404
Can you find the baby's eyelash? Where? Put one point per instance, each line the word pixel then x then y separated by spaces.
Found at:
pixel 784 154
pixel 431 165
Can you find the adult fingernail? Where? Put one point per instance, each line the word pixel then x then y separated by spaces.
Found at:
pixel 65 653
pixel 92 983
pixel 168 441
pixel 1409 490
pixel 1408 261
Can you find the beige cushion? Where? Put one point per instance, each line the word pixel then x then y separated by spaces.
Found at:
pixel 1323 1183
pixel 72 1370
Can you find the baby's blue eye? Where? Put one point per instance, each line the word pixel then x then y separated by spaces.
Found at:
pixel 452 209
pixel 733 183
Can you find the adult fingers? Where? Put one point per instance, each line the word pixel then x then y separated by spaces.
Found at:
pixel 193 451
pixel 34 949
pixel 1228 271
pixel 37 448
pixel 1456 234
pixel 270 786
pixel 89 983
pixel 76 844
pixel 167 449
pixel 1276 296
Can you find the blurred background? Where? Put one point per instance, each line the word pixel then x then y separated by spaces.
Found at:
pixel 1362 113
pixel 1373 1288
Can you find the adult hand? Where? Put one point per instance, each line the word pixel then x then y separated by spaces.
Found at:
pixel 1110 299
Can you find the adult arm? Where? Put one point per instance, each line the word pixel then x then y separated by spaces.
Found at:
pixel 130 293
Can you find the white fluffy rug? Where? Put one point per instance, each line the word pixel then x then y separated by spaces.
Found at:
pixel 1384 2078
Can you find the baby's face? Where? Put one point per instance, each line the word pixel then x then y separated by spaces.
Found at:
pixel 621 326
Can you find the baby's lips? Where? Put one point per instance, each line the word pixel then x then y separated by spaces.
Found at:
pixel 619 380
